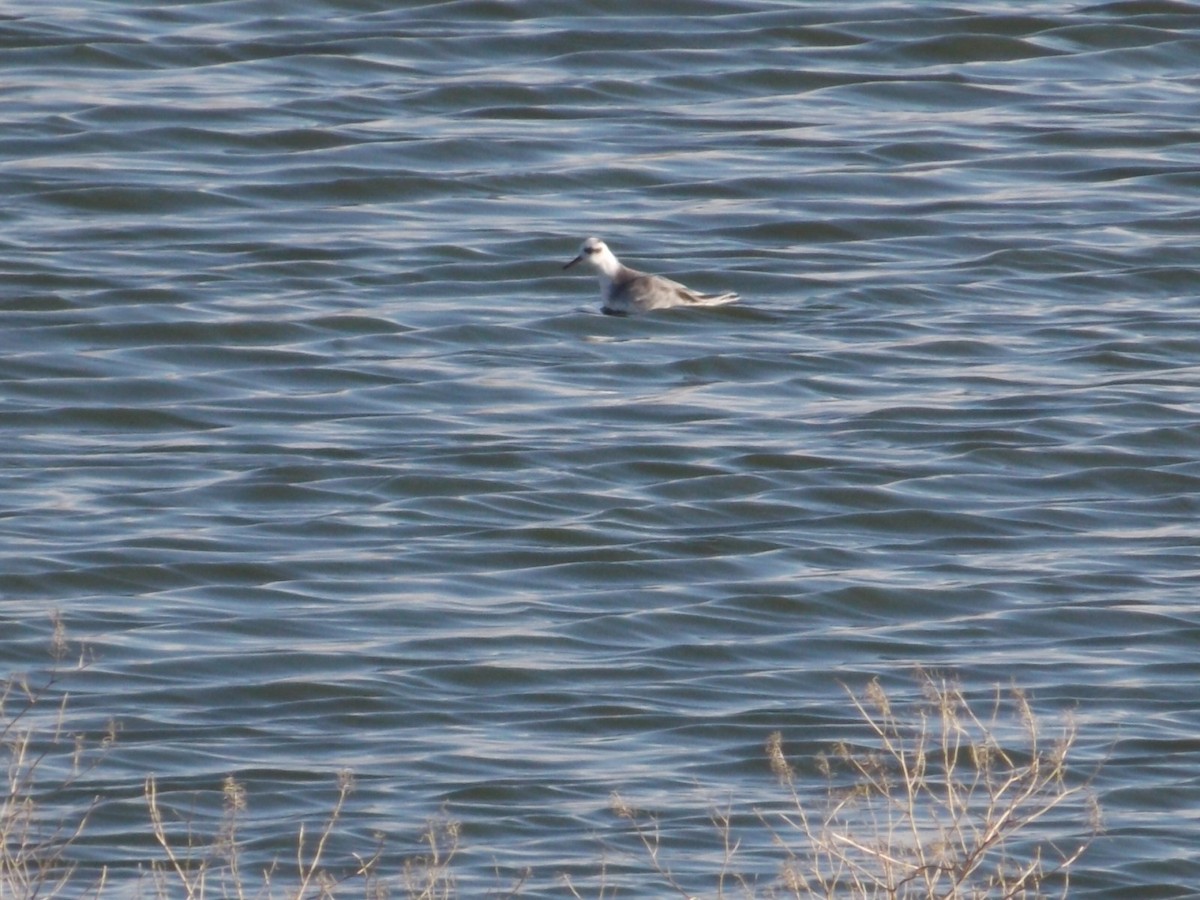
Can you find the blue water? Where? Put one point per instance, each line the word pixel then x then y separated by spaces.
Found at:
pixel 311 441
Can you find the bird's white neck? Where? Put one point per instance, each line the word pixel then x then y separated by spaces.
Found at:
pixel 605 264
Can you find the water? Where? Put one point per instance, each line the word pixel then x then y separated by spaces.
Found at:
pixel 309 437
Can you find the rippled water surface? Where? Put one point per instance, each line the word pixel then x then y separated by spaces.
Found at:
pixel 306 432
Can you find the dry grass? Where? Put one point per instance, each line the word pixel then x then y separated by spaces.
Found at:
pixel 38 825
pixel 944 804
pixel 428 875
pixel 212 867
pixel 941 800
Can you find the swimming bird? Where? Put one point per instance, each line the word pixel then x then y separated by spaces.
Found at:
pixel 626 290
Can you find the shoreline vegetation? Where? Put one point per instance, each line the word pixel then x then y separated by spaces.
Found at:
pixel 939 797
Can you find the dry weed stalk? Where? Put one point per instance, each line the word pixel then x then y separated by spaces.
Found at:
pixel 646 829
pixel 942 808
pixel 34 840
pixel 428 876
pixel 196 863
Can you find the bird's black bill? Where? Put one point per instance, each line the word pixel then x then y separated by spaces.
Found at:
pixel 572 262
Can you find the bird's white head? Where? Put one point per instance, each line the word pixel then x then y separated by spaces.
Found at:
pixel 595 253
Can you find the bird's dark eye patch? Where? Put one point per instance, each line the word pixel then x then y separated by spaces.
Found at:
pixel 593 250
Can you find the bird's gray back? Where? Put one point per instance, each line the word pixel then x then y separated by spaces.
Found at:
pixel 639 291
